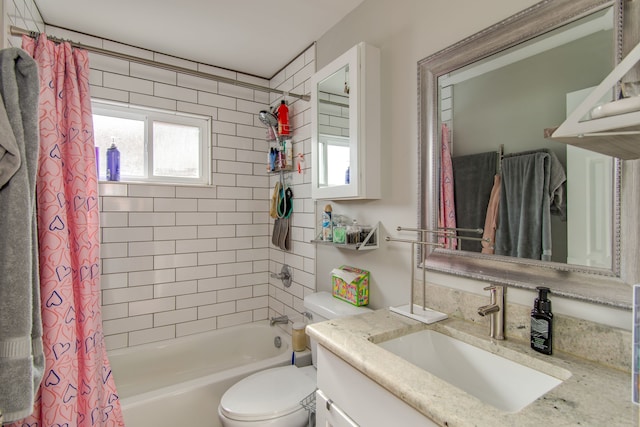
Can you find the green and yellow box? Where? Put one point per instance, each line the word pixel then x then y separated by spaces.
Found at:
pixel 350 284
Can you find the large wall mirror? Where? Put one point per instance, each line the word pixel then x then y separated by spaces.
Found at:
pixel 484 105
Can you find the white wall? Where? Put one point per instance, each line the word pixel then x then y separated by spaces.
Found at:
pixel 407 31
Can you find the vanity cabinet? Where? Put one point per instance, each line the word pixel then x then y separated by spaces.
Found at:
pixel 346 397
pixel 345 126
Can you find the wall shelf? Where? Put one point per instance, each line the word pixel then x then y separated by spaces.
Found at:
pixel 615 135
pixel 371 241
pixel 288 168
pixel 623 143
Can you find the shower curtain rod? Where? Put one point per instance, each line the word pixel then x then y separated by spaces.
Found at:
pixel 17 31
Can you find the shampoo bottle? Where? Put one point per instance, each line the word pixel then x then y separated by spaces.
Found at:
pixel 541 322
pixel 283 119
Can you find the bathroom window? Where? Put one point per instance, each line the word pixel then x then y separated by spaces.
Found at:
pixel 155 146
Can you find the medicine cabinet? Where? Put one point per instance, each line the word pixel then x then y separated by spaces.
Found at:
pixel 345 126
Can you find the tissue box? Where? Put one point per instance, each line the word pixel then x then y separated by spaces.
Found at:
pixel 351 284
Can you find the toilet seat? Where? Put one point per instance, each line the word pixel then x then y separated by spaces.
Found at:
pixel 268 394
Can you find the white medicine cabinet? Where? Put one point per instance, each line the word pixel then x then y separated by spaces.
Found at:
pixel 345 126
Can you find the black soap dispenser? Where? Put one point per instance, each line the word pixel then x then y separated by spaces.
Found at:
pixel 541 322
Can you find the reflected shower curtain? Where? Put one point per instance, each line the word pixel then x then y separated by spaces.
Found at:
pixel 447 215
pixel 77 388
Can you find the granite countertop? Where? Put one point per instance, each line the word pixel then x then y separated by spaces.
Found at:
pixel 593 395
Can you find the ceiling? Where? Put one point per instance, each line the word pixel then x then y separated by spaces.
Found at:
pixel 251 36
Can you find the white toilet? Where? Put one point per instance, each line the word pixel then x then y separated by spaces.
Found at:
pixel 271 398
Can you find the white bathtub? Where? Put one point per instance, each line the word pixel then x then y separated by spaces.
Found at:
pixel 180 382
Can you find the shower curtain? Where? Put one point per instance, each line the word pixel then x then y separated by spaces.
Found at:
pixel 77 388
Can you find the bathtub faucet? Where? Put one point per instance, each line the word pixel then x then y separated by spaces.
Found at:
pixel 282 319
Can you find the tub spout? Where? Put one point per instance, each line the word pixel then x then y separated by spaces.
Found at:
pixel 281 319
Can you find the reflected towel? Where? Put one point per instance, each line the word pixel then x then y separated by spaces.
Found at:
pixel 491 221
pixel 532 188
pixel 473 183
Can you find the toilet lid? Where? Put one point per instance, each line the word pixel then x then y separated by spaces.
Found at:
pixel 268 394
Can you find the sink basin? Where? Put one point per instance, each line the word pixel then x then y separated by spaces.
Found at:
pixel 498 381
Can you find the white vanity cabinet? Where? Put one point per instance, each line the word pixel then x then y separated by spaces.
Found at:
pixel 345 126
pixel 347 398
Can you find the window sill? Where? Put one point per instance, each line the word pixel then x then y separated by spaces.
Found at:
pixel 157 183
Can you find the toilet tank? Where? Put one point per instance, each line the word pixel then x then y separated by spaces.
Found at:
pixel 324 306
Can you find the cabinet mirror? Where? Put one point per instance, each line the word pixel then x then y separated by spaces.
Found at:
pixel 345 132
pixel 550 213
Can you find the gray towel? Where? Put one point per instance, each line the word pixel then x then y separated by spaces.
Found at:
pixel 532 189
pixel 21 355
pixel 9 151
pixel 473 177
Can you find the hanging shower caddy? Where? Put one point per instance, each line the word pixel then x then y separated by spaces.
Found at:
pixel 280 160
pixel 280 156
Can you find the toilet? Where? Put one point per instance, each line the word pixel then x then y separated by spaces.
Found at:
pixel 271 398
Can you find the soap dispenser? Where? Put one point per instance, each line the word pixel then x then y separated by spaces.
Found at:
pixel 541 322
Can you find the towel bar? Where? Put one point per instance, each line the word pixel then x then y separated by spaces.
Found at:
pixel 422 242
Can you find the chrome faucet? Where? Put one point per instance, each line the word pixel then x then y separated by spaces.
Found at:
pixel 495 310
pixel 282 319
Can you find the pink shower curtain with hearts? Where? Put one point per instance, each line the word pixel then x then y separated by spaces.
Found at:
pixel 77 388
pixel 447 216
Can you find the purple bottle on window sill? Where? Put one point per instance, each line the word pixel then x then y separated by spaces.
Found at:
pixel 98 163
pixel 113 163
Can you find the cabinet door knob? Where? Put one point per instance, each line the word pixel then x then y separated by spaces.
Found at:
pixel 328 404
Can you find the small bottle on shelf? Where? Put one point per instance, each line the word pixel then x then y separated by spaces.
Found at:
pixel 353 233
pixel 327 224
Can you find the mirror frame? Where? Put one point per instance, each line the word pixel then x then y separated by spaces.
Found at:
pixel 610 287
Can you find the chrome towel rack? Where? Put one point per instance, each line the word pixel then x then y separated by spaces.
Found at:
pixel 447 232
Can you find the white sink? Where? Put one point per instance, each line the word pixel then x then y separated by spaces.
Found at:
pixel 503 383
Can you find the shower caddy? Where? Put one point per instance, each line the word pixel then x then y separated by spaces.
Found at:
pixel 280 160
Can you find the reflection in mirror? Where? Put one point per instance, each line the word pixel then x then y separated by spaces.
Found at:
pixel 333 156
pixel 333 129
pixel 494 94
pixel 551 202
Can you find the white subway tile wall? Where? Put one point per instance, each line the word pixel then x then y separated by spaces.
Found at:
pixel 180 260
pixel 23 14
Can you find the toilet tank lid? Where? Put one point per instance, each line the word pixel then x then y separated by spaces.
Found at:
pixel 326 305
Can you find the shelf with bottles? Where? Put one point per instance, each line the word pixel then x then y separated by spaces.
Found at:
pixel 280 156
pixel 351 236
pixel 279 137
